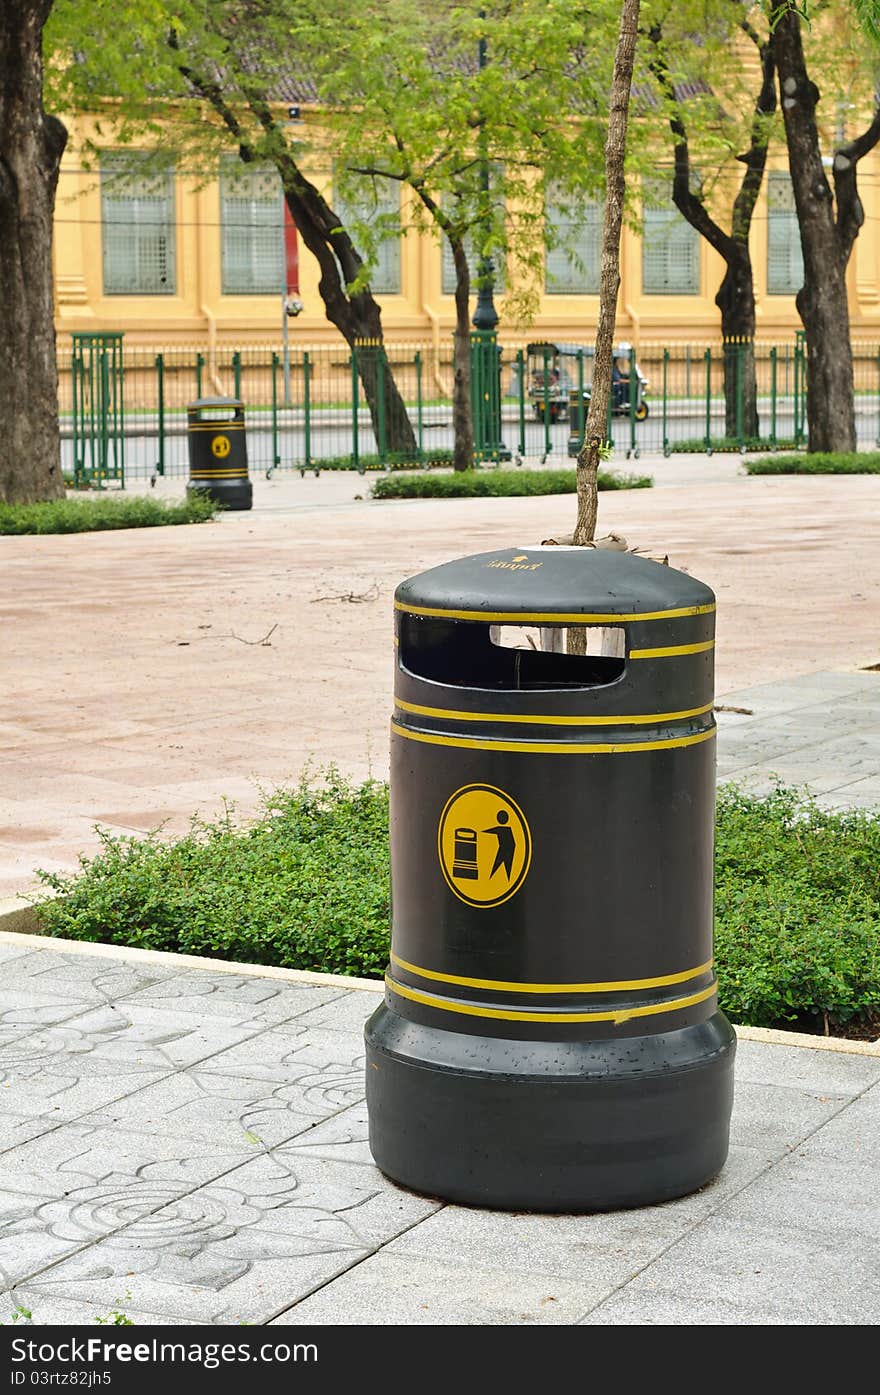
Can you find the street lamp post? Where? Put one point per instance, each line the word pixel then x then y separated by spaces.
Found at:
pixel 485 353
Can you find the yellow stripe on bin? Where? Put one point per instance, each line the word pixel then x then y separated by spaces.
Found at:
pixel 672 651
pixel 497 985
pixel 553 748
pixel 551 1018
pixel 515 617
pixel 547 720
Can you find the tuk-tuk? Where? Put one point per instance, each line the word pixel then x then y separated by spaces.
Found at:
pixel 553 373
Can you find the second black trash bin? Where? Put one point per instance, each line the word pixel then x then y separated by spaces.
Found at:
pixel 218 462
pixel 550 1037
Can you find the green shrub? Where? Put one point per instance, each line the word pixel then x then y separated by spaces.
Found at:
pixel 430 460
pixel 467 484
pixel 306 885
pixel 721 445
pixel 96 515
pixel 797 911
pixel 818 463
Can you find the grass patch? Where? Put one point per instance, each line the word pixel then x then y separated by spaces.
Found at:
pixel 818 463
pixel 721 445
pixel 468 484
pixel 98 515
pixel 306 885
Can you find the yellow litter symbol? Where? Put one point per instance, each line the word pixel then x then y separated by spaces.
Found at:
pixel 484 844
pixel 221 447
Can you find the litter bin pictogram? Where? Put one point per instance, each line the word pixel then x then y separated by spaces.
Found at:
pixel 550 1037
pixel 218 463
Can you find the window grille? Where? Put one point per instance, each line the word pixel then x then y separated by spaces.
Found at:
pixel 137 227
pixel 252 226
pixel 572 263
pixel 376 203
pixel 785 262
pixel 670 246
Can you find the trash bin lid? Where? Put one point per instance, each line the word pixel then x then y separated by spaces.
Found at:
pixel 215 402
pixel 580 583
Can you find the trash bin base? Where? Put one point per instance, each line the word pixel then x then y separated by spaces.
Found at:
pixel 236 495
pixel 549 1126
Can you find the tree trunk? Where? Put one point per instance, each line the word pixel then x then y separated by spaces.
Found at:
pixel 736 294
pixel 31 145
pixel 609 279
pixel 736 301
pixel 822 302
pixel 358 317
pixel 462 407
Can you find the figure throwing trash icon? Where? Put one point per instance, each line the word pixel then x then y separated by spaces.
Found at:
pixel 506 844
pixel 484 844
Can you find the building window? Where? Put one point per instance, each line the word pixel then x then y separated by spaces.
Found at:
pixel 785 261
pixel 670 246
pixel 376 204
pixel 572 261
pixel 252 223
pixel 137 226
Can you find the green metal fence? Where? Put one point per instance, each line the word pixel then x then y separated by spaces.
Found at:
pixel 123 407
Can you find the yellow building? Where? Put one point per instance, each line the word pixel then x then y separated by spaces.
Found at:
pixel 187 259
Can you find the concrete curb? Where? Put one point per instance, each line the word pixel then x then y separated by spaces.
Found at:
pixel 19 914
pixel 90 949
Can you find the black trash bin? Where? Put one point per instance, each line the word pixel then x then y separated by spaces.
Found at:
pixel 550 1037
pixel 218 463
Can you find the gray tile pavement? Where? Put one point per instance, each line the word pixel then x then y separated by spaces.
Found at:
pixel 819 732
pixel 200 1155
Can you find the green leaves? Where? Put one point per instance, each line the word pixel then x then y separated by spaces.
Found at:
pixel 92 515
pixel 496 483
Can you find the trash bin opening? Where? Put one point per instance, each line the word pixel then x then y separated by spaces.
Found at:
pixel 217 413
pixel 607 640
pixel 469 654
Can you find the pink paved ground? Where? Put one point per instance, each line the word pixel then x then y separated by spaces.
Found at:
pixel 129 697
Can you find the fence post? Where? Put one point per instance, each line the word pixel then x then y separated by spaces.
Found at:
pixel 707 358
pixel 800 388
pixel 633 389
pixel 119 387
pixel 103 369
pixel 276 458
pixel 355 458
pixel 200 363
pixel 236 373
pixel 666 450
pixel 687 370
pixel 739 350
pixel 381 370
pixel 582 406
pixel 77 409
pixel 419 418
pixel 307 408
pixel 877 437
pixel 546 403
pixel 521 380
pixel 773 398
pixel 160 395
